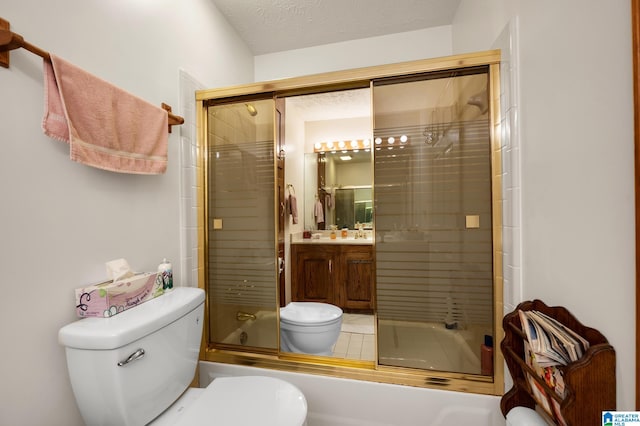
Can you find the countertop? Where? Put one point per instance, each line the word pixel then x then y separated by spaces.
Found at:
pixel 323 237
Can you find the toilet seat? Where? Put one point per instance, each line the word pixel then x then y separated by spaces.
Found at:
pixel 310 313
pixel 247 400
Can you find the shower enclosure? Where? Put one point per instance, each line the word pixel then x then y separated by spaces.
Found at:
pixel 433 210
pixel 433 220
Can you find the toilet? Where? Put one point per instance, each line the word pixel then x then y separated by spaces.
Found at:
pixel 309 327
pixel 135 368
pixel 524 416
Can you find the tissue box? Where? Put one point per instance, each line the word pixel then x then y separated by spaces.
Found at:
pixel 110 298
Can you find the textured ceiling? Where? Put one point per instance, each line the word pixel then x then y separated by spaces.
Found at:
pixel 269 26
pixel 331 105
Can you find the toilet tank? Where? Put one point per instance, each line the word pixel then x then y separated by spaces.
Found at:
pixel 111 391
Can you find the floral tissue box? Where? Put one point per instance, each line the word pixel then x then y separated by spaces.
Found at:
pixel 110 298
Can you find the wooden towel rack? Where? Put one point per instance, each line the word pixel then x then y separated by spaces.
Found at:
pixel 11 41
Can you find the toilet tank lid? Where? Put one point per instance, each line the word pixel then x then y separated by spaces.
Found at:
pixel 132 324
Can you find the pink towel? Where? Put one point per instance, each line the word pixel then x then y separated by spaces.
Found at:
pixel 105 126
pixel 293 208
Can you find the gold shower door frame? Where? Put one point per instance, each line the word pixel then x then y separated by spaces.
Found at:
pixel 434 271
pixel 352 79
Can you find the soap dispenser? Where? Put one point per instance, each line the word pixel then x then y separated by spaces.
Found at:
pixel 165 273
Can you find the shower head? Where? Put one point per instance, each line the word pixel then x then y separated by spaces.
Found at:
pixel 480 100
pixel 251 110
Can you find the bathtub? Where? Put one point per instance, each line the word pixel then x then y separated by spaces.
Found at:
pixel 261 332
pixel 346 402
pixel 427 346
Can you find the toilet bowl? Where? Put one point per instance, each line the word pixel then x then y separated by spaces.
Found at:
pixel 135 368
pixel 247 400
pixel 309 327
pixel 523 416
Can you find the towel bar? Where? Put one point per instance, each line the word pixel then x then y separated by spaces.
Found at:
pixel 10 41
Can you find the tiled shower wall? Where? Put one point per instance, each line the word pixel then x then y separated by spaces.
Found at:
pixel 188 181
pixel 507 42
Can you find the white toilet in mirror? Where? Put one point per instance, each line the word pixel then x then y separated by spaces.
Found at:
pixel 309 327
pixel 134 368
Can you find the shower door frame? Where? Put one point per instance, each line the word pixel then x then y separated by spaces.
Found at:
pixel 355 79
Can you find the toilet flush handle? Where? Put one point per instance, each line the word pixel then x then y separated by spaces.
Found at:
pixel 133 357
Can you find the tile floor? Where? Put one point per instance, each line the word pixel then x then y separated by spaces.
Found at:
pixel 356 340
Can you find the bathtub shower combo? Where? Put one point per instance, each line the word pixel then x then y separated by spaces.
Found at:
pixel 435 291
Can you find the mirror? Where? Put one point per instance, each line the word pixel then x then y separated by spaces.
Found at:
pixel 341 183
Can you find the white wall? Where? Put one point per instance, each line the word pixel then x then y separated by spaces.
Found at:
pixel 576 135
pixel 407 46
pixel 61 221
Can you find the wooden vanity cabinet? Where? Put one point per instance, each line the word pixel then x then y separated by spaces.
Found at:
pixel 338 274
pixel 356 271
pixel 312 273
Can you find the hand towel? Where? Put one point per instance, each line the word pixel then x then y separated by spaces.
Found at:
pixel 329 200
pixel 105 126
pixel 293 208
pixel 318 212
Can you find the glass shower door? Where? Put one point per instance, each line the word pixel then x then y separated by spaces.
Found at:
pixel 433 220
pixel 241 247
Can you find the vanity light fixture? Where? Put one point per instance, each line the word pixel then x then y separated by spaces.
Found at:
pixel 343 146
pixel 345 157
pixel 391 141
